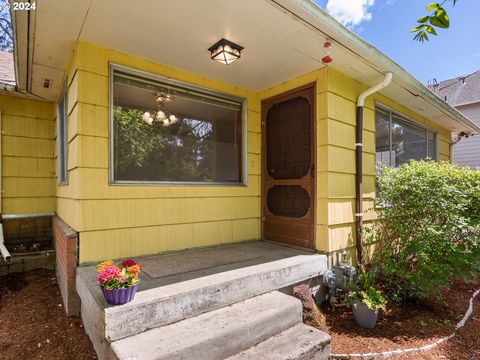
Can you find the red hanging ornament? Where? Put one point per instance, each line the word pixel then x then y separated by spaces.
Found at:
pixel 327 59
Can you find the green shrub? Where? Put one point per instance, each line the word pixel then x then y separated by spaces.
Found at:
pixel 428 229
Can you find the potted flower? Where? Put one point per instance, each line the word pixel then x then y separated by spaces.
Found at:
pixel 119 283
pixel 366 300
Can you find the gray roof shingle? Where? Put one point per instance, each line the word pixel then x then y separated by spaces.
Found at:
pixel 460 90
pixel 7 72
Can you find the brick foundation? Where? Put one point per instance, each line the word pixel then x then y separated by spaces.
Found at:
pixel 66 250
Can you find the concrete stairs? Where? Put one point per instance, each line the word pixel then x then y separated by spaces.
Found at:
pixel 236 313
pixel 228 331
pixel 301 342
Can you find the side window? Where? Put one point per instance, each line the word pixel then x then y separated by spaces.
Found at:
pixel 399 140
pixel 62 138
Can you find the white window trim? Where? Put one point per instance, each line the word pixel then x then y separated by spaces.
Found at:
pixel 62 136
pixel 154 77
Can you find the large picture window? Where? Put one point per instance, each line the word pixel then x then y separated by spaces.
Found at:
pixel 165 131
pixel 399 140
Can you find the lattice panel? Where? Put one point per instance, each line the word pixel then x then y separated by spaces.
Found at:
pixel 288 138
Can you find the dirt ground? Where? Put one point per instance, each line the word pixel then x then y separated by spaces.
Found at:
pixel 414 325
pixel 33 323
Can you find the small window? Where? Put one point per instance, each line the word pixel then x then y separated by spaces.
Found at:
pixel 62 138
pixel 171 132
pixel 399 140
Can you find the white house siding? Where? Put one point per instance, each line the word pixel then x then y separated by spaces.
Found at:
pixel 467 151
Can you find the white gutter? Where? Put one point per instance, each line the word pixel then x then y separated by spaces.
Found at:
pixel 386 81
pixel 7 87
pixel 26 216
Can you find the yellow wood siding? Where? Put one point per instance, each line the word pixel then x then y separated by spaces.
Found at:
pixel 117 221
pixel 337 215
pixel 28 141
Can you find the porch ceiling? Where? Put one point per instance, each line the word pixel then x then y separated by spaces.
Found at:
pixel 178 34
pixel 282 38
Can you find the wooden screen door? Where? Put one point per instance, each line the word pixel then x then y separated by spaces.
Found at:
pixel 288 184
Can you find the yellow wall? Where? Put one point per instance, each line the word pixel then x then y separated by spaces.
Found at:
pixel 339 204
pixel 28 141
pixel 335 137
pixel 119 221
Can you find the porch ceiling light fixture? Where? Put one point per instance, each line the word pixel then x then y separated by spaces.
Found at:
pixel 225 51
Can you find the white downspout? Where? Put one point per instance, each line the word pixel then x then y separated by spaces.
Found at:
pixel 3 250
pixel 358 161
pixel 386 81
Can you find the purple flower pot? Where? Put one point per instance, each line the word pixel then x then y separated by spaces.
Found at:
pixel 120 296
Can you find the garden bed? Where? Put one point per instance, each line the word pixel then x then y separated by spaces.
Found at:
pixel 33 323
pixel 412 326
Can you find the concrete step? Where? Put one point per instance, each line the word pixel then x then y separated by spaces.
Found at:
pixel 217 334
pixel 300 342
pixel 167 304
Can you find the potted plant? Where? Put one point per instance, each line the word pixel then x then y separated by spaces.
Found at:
pixel 119 283
pixel 366 300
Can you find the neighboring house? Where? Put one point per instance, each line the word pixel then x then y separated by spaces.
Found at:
pixel 463 93
pixel 125 130
pixel 7 71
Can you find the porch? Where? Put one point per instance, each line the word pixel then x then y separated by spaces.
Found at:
pixel 236 292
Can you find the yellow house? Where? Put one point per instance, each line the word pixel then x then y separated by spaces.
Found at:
pixel 123 126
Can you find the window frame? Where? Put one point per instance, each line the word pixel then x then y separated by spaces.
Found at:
pixel 113 68
pixel 62 137
pixel 409 122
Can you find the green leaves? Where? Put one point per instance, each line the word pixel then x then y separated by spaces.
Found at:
pixel 423 19
pixel 440 19
pixel 364 291
pixel 437 19
pixel 430 229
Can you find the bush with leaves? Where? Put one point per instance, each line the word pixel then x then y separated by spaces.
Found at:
pixel 428 229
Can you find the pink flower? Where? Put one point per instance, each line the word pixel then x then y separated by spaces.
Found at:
pixel 128 262
pixel 107 273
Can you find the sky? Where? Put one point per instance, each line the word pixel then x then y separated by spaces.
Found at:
pixel 385 24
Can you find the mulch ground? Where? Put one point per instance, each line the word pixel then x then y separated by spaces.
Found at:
pixel 414 325
pixel 33 323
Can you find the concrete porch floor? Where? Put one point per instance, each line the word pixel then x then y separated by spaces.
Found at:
pixel 165 269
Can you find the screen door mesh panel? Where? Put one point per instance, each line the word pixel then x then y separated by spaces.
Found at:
pixel 288 200
pixel 288 139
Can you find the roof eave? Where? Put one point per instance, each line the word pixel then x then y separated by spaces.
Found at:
pixel 20 47
pixel 316 17
pixel 467 103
